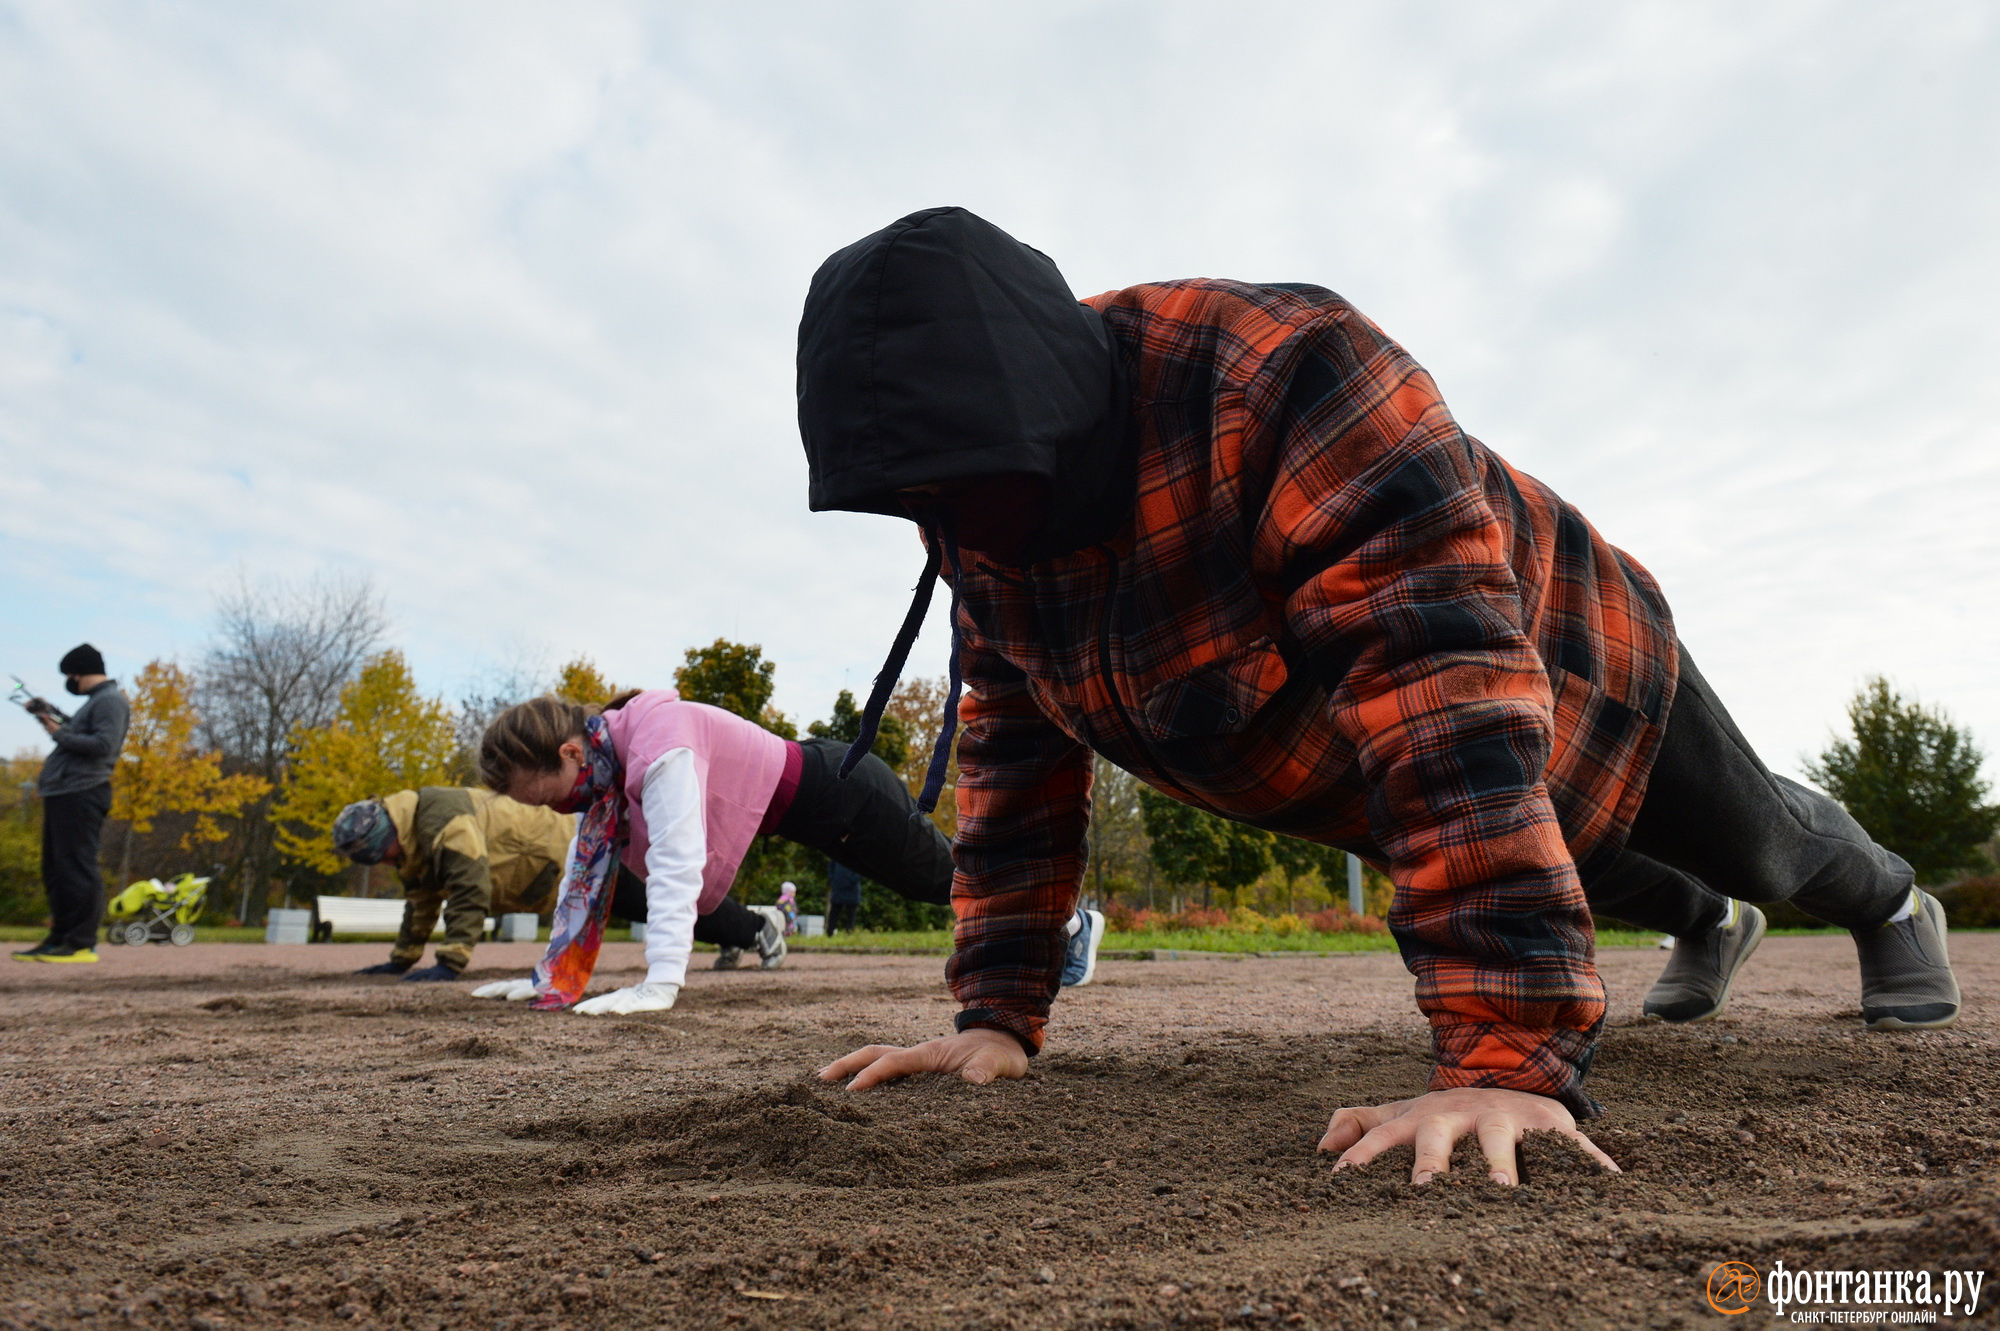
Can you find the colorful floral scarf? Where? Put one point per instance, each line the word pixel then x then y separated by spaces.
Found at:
pixel 585 902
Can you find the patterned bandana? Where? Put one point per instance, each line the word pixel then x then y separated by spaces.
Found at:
pixel 585 901
pixel 363 832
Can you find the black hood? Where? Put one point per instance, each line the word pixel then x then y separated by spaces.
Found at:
pixel 941 348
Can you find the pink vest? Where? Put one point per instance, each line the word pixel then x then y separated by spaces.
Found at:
pixel 737 765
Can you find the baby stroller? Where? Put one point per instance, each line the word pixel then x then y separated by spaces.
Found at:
pixel 156 912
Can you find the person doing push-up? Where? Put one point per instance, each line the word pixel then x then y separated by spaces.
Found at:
pixel 1229 536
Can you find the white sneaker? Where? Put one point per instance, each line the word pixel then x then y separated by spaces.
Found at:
pixel 771 943
pixel 1080 965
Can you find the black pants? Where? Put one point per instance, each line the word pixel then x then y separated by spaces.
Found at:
pixel 1716 824
pixel 840 915
pixel 869 823
pixel 72 829
pixel 730 924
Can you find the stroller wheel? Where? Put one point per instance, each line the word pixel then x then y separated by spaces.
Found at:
pixel 138 935
pixel 181 935
pixel 114 933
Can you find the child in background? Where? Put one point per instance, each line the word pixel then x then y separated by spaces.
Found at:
pixel 788 906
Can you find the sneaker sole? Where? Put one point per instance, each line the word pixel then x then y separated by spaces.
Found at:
pixel 1729 980
pixel 1892 1022
pixel 1094 921
pixel 90 960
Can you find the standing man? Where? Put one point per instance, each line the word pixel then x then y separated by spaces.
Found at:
pixel 1229 536
pixel 461 850
pixel 843 897
pixel 75 787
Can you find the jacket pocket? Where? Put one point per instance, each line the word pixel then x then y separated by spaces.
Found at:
pixel 1219 698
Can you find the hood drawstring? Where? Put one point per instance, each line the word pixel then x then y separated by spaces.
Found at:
pixel 942 540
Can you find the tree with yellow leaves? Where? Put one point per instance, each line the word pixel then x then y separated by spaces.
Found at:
pixel 581 681
pixel 161 770
pixel 386 737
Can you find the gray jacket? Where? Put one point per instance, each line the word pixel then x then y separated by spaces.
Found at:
pixel 87 744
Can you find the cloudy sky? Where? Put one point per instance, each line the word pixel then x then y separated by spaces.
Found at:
pixel 495 302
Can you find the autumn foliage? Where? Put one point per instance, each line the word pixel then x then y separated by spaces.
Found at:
pixel 163 771
pixel 386 737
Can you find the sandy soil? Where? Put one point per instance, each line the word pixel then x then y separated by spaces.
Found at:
pixel 231 1135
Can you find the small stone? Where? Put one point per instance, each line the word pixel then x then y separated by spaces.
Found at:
pixel 1047 1275
pixel 1168 1291
pixel 1747 1137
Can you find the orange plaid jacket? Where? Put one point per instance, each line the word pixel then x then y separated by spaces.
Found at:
pixel 1334 615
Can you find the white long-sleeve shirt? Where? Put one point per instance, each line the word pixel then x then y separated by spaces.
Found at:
pixel 672 800
pixel 671 797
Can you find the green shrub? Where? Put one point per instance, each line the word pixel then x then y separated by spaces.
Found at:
pixel 1972 903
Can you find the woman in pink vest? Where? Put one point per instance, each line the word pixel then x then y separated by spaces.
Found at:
pixel 673 791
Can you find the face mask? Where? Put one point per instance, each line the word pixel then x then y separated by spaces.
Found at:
pixel 579 794
pixel 69 683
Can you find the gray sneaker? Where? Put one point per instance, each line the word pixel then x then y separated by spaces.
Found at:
pixel 1906 979
pixel 728 958
pixel 1695 984
pixel 771 942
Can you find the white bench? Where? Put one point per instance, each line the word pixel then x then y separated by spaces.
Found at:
pixel 368 915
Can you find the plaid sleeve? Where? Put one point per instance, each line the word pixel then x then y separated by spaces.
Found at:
pixel 1023 821
pixel 1405 602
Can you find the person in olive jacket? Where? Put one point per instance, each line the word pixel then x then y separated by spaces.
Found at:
pixel 461 850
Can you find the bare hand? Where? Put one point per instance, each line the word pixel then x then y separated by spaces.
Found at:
pixel 49 723
pixel 1434 1122
pixel 978 1055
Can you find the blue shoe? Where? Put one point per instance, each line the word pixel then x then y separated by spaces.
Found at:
pixel 1081 964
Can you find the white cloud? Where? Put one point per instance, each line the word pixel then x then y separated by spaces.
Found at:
pixel 497 301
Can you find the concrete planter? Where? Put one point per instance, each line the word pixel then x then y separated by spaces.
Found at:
pixel 288 926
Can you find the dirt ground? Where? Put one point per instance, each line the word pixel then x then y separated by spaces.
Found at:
pixel 232 1135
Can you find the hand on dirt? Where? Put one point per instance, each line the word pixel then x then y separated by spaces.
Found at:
pixel 978 1055
pixel 514 991
pixel 623 1002
pixel 1433 1123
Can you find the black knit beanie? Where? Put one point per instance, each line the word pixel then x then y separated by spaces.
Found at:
pixel 83 660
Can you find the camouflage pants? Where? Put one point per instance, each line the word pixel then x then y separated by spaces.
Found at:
pixel 465 916
pixel 464 920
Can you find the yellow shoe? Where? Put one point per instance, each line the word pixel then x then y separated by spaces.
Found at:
pixel 82 954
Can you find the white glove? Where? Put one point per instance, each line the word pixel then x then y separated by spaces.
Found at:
pixel 514 991
pixel 622 1002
